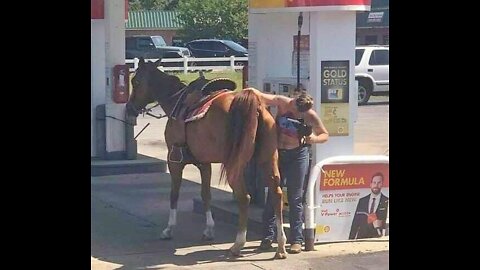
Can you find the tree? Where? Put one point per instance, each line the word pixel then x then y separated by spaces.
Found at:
pixel 136 5
pixel 226 19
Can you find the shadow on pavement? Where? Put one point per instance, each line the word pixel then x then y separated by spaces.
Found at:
pixel 129 212
pixel 196 258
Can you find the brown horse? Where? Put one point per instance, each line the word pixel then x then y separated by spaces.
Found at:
pixel 236 127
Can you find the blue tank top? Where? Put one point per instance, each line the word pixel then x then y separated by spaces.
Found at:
pixel 286 125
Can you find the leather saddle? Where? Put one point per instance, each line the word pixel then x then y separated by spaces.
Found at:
pixel 197 93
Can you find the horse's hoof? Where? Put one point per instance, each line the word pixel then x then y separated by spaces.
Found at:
pixel 207 237
pixel 234 252
pixel 208 234
pixel 166 235
pixel 279 255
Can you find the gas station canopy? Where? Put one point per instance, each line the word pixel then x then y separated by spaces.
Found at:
pixel 266 6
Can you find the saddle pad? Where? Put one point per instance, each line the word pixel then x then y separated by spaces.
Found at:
pixel 200 111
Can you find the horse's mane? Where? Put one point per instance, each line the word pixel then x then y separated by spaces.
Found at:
pixel 166 83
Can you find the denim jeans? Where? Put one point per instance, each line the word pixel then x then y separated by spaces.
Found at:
pixel 293 165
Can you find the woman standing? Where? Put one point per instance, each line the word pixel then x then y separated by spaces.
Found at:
pixel 298 127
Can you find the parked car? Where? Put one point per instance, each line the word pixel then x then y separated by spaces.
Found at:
pixel 153 47
pixel 372 71
pixel 217 48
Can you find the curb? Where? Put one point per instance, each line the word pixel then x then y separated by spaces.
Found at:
pixel 143 164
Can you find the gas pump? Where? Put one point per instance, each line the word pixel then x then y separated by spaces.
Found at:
pixel 280 86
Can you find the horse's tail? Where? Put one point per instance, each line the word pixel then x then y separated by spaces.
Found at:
pixel 241 129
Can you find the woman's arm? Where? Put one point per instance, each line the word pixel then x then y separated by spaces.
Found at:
pixel 320 133
pixel 269 99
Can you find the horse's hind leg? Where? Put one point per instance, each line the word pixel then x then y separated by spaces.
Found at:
pixel 206 174
pixel 243 199
pixel 272 178
pixel 176 170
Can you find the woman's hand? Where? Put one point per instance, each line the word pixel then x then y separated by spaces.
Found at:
pixel 310 139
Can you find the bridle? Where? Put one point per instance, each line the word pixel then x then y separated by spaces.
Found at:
pixel 147 111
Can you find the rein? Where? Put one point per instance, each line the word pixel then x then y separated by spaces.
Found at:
pixel 147 111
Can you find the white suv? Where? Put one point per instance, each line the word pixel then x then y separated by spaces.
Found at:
pixel 371 71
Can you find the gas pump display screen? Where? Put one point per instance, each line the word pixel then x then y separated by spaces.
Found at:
pixel 284 88
pixel 266 87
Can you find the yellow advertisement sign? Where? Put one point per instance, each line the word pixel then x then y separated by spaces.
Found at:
pixel 335 118
pixel 320 229
pixel 267 3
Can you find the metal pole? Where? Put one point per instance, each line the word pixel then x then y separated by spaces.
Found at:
pixel 300 22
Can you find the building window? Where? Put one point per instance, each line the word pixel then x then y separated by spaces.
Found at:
pixel 371 39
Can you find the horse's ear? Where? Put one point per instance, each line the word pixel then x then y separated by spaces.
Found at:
pixel 157 63
pixel 141 61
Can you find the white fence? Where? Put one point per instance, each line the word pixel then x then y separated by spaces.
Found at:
pixel 189 63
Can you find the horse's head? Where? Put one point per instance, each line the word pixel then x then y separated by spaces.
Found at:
pixel 150 84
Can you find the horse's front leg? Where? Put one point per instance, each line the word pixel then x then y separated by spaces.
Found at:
pixel 176 170
pixel 243 199
pixel 206 175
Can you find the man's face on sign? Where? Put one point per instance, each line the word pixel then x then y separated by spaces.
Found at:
pixel 376 184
